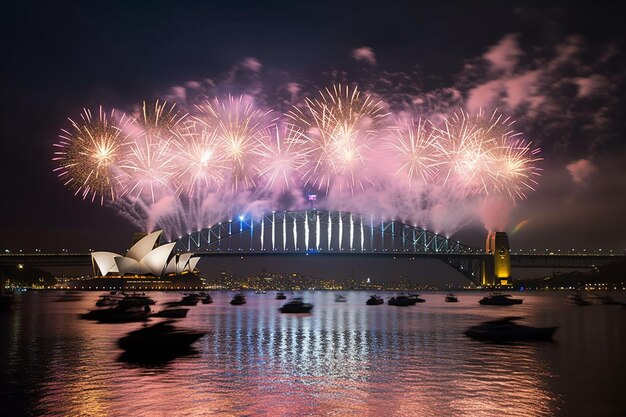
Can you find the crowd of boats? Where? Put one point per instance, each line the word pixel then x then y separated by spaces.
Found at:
pixel 123 307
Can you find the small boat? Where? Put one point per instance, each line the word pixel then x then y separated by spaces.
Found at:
pixel 506 330
pixel 416 298
pixel 160 337
pixel 340 298
pixel 451 298
pixel 497 299
pixel 238 300
pixel 401 301
pixel 189 300
pixel 206 298
pixel 171 312
pixel 579 300
pixel 118 314
pixel 281 296
pixel 135 300
pixel 296 305
pixel 107 300
pixel 375 300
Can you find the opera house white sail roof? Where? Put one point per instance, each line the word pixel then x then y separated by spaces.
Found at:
pixel 144 258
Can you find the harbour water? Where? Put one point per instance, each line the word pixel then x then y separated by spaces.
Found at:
pixel 343 359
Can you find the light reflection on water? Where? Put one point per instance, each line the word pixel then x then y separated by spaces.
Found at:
pixel 343 359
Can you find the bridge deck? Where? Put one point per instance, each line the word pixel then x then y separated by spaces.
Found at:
pixel 517 260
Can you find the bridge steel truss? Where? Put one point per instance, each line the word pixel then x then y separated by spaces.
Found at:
pixel 329 233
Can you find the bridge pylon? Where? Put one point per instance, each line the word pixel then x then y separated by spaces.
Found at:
pixel 497 268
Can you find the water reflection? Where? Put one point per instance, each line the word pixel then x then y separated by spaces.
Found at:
pixel 344 359
pixel 155 359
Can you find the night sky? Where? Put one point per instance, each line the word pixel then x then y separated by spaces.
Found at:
pixel 558 69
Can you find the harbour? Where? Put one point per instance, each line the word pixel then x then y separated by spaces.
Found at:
pixel 343 358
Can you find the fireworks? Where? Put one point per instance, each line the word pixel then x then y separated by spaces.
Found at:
pixel 232 150
pixel 200 163
pixel 87 155
pixel 415 151
pixel 282 157
pixel 340 126
pixel 239 128
pixel 484 156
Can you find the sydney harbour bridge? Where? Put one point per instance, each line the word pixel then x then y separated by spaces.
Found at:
pixel 338 233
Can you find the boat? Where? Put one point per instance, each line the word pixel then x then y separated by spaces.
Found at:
pixel 375 300
pixel 160 337
pixel 281 296
pixel 340 298
pixel 135 300
pixel 416 298
pixel 259 292
pixel 108 300
pixel 238 300
pixel 498 299
pixel 118 314
pixel 401 301
pixel 296 305
pixel 579 300
pixel 451 298
pixel 206 298
pixel 506 330
pixel 189 300
pixel 171 312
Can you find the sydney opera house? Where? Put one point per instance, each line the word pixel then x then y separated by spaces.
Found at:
pixel 144 258
pixel 147 265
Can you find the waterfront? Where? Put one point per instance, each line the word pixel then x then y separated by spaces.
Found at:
pixel 344 359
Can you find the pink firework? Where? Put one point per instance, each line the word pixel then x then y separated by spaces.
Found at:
pixel 148 166
pixel 340 126
pixel 199 162
pixel 414 151
pixel 282 157
pixel 239 127
pixel 485 156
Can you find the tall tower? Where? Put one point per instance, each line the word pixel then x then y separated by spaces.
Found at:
pixel 497 245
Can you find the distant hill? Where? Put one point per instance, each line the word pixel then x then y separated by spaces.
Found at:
pixel 611 276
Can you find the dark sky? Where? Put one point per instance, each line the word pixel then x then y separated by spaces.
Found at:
pixel 558 68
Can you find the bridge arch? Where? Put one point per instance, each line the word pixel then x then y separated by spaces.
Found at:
pixel 329 232
pixel 307 231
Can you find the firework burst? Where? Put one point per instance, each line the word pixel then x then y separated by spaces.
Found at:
pixel 88 152
pixel 340 126
pixel 169 167
pixel 516 167
pixel 282 157
pixel 239 127
pixel 485 156
pixel 415 151
pixel 148 166
pixel 200 163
